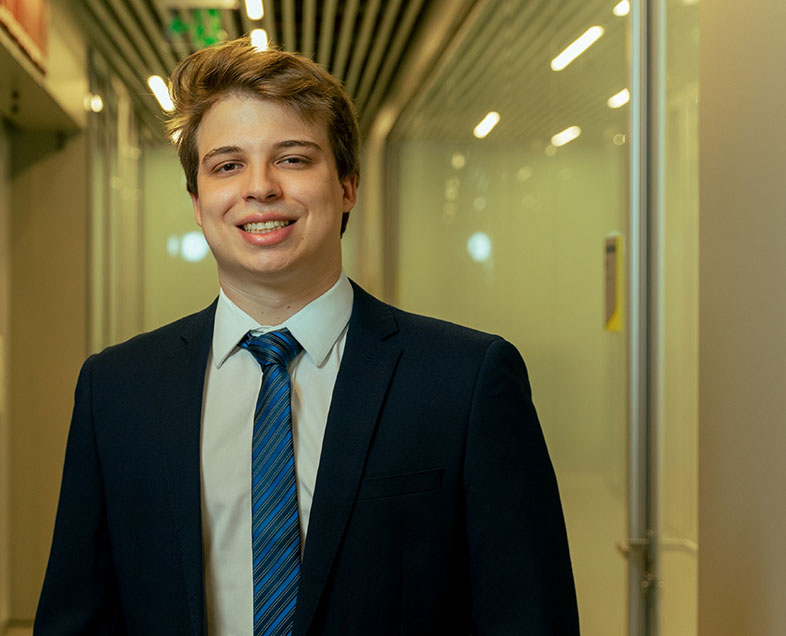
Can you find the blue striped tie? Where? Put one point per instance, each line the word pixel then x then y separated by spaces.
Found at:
pixel 275 529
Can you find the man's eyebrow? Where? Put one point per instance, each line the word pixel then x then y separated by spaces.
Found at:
pixel 299 143
pixel 221 150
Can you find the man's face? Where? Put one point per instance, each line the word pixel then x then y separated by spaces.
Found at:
pixel 270 201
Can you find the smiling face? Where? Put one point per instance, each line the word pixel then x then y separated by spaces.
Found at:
pixel 269 198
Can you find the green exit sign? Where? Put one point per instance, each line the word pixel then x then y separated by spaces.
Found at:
pixel 203 27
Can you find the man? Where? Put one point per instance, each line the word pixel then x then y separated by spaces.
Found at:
pixel 299 457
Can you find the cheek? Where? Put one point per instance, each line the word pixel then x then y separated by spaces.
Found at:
pixel 214 202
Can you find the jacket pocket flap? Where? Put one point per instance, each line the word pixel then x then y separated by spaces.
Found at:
pixel 394 485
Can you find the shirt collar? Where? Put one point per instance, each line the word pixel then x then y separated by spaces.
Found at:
pixel 317 326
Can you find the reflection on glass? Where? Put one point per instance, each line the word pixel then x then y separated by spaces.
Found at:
pixel 193 247
pixel 622 8
pixel 576 48
pixel 619 99
pixel 479 246
pixel 515 245
pixel 566 136
pixel 458 160
pixel 486 125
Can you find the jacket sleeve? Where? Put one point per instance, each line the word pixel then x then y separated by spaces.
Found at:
pixel 520 571
pixel 80 593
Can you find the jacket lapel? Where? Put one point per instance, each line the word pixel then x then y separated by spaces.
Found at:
pixel 184 376
pixel 367 367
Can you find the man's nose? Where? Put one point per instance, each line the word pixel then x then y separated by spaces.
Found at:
pixel 262 183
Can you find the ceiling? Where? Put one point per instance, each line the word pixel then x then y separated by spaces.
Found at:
pixel 503 63
pixel 361 42
pixel 498 59
pixel 506 66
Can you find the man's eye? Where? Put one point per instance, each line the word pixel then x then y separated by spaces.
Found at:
pixel 227 167
pixel 293 160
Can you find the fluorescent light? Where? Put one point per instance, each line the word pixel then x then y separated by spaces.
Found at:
pixel 259 39
pixel 619 99
pixel 567 135
pixel 160 90
pixel 254 9
pixel 485 126
pixel 577 47
pixel 622 8
pixel 93 102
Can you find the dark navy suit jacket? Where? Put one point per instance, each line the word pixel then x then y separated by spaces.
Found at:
pixel 436 508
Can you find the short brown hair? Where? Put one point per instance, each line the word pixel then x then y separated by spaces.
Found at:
pixel 210 74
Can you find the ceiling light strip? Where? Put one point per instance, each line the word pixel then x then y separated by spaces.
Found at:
pixel 622 8
pixel 161 92
pixel 259 39
pixel 254 9
pixel 486 125
pixel 619 99
pixel 577 47
pixel 566 136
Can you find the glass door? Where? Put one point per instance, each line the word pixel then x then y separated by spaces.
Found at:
pixel 512 216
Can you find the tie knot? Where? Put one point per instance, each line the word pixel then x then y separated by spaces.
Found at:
pixel 274 347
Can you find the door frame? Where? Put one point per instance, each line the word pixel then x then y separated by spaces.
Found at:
pixel 646 288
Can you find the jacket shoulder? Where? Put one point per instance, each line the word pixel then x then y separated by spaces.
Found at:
pixel 158 343
pixel 436 329
pixel 424 332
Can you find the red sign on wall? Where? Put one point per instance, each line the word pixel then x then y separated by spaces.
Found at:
pixel 26 21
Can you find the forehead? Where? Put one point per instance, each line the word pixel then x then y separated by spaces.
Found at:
pixel 239 116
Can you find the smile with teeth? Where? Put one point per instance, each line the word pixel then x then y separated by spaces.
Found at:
pixel 267 226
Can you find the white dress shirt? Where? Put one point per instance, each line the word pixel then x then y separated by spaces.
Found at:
pixel 232 384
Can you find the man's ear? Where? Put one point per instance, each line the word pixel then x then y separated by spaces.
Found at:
pixel 349 186
pixel 197 213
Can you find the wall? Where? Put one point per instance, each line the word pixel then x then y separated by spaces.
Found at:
pixel 43 299
pixel 50 100
pixel 5 339
pixel 48 317
pixel 742 345
pixel 66 77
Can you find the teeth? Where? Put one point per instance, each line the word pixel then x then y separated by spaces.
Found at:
pixel 267 226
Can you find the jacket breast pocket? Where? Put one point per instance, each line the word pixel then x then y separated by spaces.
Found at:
pixel 397 485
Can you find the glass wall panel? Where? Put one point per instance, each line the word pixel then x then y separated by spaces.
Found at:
pixel 508 233
pixel 679 426
pixel 115 214
pixel 179 270
pixel 150 262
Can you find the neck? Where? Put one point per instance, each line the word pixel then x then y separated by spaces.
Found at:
pixel 273 305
